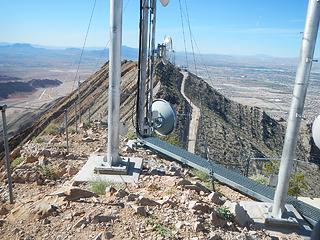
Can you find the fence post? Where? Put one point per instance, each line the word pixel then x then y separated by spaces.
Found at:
pixel 89 114
pixel 76 116
pixel 247 167
pixel 6 149
pixel 66 128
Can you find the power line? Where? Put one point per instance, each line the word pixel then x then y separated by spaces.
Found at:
pixel 84 43
pixel 183 33
pixel 190 33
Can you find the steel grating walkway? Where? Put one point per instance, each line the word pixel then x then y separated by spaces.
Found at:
pixel 228 177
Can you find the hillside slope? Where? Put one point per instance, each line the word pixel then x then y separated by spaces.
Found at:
pixel 229 133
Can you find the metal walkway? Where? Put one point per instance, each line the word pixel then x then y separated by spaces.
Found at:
pixel 228 177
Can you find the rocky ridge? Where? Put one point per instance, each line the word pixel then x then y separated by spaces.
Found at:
pixel 168 202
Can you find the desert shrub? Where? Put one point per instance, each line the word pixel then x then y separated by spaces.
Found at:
pixel 297 184
pixel 131 135
pixel 224 213
pixel 71 130
pixel 47 172
pixel 87 124
pixel 51 129
pixel 271 168
pixel 16 162
pixel 201 175
pixel 173 139
pixel 158 227
pixel 38 139
pixel 260 179
pixel 99 186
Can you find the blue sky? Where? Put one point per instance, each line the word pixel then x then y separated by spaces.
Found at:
pixel 242 27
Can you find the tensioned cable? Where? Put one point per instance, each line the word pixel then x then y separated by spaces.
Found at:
pixel 84 43
pixel 183 33
pixel 189 26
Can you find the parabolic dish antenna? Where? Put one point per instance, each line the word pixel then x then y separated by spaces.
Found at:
pixel 164 2
pixel 316 131
pixel 165 117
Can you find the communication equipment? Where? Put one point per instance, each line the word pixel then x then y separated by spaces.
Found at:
pixel 164 117
pixel 316 131
pixel 164 2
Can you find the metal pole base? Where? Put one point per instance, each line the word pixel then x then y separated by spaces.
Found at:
pixel 120 169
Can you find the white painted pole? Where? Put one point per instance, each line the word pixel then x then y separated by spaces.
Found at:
pixel 143 67
pixel 297 105
pixel 114 82
pixel 154 18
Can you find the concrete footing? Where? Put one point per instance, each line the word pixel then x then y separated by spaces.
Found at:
pixel 96 169
pixel 292 221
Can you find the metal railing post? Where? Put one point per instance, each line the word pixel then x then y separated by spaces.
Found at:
pixel 6 149
pixel 76 116
pixel 66 128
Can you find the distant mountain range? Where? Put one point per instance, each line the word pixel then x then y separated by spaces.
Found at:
pixel 25 54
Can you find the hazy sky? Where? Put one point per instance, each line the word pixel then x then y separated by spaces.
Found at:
pixel 219 26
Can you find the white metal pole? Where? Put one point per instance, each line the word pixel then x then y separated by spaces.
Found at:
pixel 143 67
pixel 154 18
pixel 114 82
pixel 297 105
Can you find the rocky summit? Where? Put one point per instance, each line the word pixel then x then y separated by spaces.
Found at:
pixel 176 203
pixel 169 201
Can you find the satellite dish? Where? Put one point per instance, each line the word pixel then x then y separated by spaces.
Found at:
pixel 316 131
pixel 164 2
pixel 168 42
pixel 164 115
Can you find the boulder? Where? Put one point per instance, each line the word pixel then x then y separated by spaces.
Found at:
pixel 75 193
pixel 101 218
pixel 216 220
pixel 184 182
pixel 143 201
pixel 104 235
pixel 141 210
pixel 203 207
pixel 240 214
pixel 132 197
pixel 43 161
pixel 3 210
pixel 31 159
pixel 121 193
pixel 214 197
pixel 45 153
pixel 110 190
pixel 16 153
pixel 80 222
pixel 198 226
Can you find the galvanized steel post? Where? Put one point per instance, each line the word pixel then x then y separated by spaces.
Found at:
pixel 151 68
pixel 143 67
pixel 297 106
pixel 114 82
pixel 6 150
pixel 66 128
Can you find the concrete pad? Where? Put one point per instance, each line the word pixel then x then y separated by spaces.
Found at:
pixel 260 211
pixel 87 173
